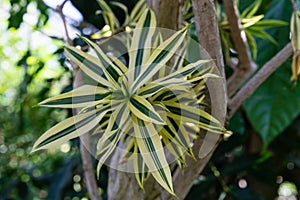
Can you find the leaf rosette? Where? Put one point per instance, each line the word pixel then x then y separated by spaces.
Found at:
pixel 153 104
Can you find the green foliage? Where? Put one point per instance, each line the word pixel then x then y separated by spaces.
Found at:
pixel 29 75
pixel 267 109
pixel 252 24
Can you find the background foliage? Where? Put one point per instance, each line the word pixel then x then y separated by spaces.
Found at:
pixel 261 160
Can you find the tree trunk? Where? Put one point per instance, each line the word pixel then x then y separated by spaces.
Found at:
pixel 123 185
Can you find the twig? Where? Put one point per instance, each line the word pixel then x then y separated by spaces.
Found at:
pixel 245 66
pixel 60 11
pixel 259 78
pixel 87 165
pixel 294 5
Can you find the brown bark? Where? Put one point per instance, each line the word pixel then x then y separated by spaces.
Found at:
pixel 208 35
pixel 245 66
pixel 167 13
pixel 259 78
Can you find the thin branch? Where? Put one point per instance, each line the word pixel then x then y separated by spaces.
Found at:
pixel 245 66
pixel 259 78
pixel 60 11
pixel 87 164
pixel 294 5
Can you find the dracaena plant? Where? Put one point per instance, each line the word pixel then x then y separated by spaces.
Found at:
pixel 151 108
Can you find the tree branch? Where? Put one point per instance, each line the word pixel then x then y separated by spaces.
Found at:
pixel 259 78
pixel 60 11
pixel 87 165
pixel 294 5
pixel 245 66
pixel 208 34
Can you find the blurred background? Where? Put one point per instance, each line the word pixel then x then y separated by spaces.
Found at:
pixel 261 160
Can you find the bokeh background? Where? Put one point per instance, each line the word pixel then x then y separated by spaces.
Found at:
pixel 261 160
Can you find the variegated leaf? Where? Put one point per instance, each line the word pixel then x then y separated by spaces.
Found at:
pixel 111 71
pixel 142 109
pixel 141 44
pixel 159 58
pixel 184 72
pixel 118 123
pixel 88 63
pixel 137 11
pixel 152 151
pixel 140 167
pixel 69 128
pixel 87 95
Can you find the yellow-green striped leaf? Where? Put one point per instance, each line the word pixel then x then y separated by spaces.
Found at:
pixel 188 114
pixel 69 128
pixel 141 44
pixel 175 151
pixel 178 64
pixel 172 132
pixel 155 88
pixel 111 71
pixel 150 146
pixel 183 72
pixel 88 63
pixel 119 63
pixel 140 167
pixel 108 15
pixel 142 109
pixel 137 11
pixel 87 95
pixel 159 58
pixel 118 123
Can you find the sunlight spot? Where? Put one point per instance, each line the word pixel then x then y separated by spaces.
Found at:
pixel 106 31
pixel 243 35
pixel 3 148
pixel 287 189
pixel 128 29
pixel 242 183
pixel 77 187
pixel 31 60
pixel 77 178
pixel 65 148
pixel 279 179
pixel 43 194
pixel 25 178
pixel 290 166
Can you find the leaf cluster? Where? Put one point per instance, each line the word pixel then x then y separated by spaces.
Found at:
pixel 143 104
